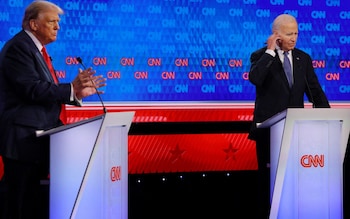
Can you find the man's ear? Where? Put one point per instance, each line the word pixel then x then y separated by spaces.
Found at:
pixel 33 24
pixel 279 42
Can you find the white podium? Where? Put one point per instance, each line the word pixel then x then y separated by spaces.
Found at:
pixel 89 168
pixel 307 154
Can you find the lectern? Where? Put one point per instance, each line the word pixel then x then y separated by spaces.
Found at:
pixel 307 153
pixel 89 167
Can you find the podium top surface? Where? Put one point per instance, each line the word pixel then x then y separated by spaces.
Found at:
pixel 273 120
pixel 307 114
pixel 40 133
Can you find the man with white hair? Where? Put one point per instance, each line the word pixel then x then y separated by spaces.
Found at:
pixel 281 74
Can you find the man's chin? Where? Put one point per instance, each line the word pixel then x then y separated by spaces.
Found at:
pixel 52 39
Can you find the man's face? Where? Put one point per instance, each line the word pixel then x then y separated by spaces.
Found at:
pixel 288 36
pixel 46 26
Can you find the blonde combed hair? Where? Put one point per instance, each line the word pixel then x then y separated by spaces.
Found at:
pixel 35 8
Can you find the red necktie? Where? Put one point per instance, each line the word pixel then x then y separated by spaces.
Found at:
pixel 63 115
pixel 49 64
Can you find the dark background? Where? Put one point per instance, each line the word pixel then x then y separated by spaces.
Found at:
pixel 184 195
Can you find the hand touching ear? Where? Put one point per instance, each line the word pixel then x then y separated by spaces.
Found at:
pixel 273 40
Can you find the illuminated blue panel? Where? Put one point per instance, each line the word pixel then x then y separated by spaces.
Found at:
pixel 194 50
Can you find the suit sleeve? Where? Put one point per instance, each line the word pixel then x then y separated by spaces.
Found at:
pixel 260 64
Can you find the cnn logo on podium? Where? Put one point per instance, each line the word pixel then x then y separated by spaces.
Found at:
pixel 309 160
pixel 115 173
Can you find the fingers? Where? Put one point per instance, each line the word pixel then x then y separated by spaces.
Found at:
pixel 86 83
pixel 99 81
pixel 87 73
pixel 86 77
pixel 272 41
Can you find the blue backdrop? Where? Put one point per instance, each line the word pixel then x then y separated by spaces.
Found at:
pixel 188 50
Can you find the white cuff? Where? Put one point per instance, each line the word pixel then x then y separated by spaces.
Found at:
pixel 271 52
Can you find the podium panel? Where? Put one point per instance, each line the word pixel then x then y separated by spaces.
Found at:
pixel 103 192
pixel 89 168
pixel 312 186
pixel 70 152
pixel 307 153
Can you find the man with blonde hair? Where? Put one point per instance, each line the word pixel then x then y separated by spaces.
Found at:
pixel 31 98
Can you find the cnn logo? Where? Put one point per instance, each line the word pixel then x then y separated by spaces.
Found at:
pixel 312 160
pixel 115 173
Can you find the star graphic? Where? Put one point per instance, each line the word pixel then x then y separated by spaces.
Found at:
pixel 176 153
pixel 230 152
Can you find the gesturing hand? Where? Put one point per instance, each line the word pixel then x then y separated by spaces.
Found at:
pixel 86 83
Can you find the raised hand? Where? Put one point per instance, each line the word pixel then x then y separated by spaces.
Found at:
pixel 86 83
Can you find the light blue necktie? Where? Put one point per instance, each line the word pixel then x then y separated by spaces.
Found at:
pixel 288 69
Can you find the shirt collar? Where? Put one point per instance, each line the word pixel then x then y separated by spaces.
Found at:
pixel 35 40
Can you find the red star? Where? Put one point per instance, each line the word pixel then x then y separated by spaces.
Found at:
pixel 176 153
pixel 230 152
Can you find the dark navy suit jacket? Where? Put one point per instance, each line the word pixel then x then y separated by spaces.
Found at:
pixel 273 94
pixel 29 100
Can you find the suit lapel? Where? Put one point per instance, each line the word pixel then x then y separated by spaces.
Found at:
pixel 297 66
pixel 43 66
pixel 38 56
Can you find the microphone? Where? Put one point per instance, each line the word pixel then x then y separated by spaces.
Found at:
pixel 309 90
pixel 99 96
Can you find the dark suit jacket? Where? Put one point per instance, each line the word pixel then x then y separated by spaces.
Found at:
pixel 273 94
pixel 29 100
